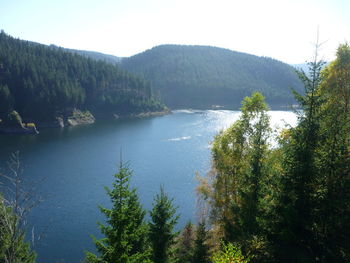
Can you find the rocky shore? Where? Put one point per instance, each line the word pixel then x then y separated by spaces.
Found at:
pixel 78 117
pixel 13 124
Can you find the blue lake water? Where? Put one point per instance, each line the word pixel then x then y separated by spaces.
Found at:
pixel 70 168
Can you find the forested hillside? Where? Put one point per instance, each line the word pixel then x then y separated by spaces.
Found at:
pixel 93 55
pixel 201 76
pixel 42 83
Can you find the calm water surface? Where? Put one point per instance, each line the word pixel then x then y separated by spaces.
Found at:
pixel 71 167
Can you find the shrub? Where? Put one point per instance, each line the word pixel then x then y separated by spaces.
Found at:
pixel 229 254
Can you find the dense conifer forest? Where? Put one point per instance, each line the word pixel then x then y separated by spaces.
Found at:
pixel 42 83
pixel 202 76
pixel 269 197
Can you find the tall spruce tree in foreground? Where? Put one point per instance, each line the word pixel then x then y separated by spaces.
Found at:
pixel 313 209
pixel 332 198
pixel 161 227
pixel 125 232
pixel 293 238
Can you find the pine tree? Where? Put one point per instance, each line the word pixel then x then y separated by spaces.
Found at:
pixel 185 245
pixel 293 238
pixel 201 248
pixel 332 198
pixel 161 227
pixel 125 232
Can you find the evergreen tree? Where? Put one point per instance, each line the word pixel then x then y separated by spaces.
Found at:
pixel 161 227
pixel 125 232
pixel 185 245
pixel 199 76
pixel 42 83
pixel 6 100
pixel 332 196
pixel 293 237
pixel 290 203
pixel 201 248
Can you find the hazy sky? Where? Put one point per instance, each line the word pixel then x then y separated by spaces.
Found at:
pixel 282 29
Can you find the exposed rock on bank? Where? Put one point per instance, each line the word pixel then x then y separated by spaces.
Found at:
pixel 13 124
pixel 80 118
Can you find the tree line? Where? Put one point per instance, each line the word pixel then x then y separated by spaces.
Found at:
pixel 269 197
pixel 288 202
pixel 44 82
pixel 202 76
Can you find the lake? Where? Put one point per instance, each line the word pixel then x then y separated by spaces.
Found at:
pixel 71 166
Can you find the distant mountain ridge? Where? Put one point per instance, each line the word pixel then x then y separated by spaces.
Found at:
pixel 93 55
pixel 201 76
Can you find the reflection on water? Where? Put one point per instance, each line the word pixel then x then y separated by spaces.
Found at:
pixel 75 164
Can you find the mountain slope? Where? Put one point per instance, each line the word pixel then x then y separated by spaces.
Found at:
pixel 93 55
pixel 201 76
pixel 43 83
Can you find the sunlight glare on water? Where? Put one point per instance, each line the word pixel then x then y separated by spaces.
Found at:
pixel 74 164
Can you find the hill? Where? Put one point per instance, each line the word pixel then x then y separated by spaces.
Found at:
pixel 202 76
pixel 42 83
pixel 93 55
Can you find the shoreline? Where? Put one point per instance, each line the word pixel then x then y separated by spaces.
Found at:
pixel 72 122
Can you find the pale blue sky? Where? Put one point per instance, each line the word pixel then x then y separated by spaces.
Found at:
pixel 282 29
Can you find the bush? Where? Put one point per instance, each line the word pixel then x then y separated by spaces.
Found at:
pixel 229 254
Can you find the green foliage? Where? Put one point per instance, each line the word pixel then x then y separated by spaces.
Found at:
pixel 201 252
pixel 293 232
pixel 239 163
pixel 93 55
pixel 43 82
pixel 13 247
pixel 331 227
pixel 6 100
pixel 200 76
pixel 229 254
pixel 184 247
pixel 125 232
pixel 290 203
pixel 161 227
pixel 13 215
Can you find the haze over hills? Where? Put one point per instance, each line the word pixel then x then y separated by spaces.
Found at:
pixel 93 55
pixel 202 76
